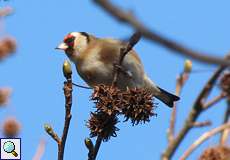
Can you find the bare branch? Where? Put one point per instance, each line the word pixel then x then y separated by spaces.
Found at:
pixel 68 88
pixel 40 150
pixel 97 146
pixel 202 124
pixel 128 18
pixel 81 86
pixel 202 138
pixel 123 52
pixel 49 130
pixel 225 133
pixel 214 100
pixel 196 110
pixel 181 79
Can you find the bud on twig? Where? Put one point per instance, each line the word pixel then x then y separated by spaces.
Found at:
pixel 48 128
pixel 67 70
pixel 89 144
pixel 187 66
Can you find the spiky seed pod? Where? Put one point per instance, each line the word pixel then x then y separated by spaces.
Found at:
pixel 103 125
pixel 11 127
pixel 216 153
pixel 225 83
pixel 107 99
pixel 138 106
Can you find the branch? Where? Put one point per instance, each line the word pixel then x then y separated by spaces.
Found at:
pixel 225 133
pixel 68 88
pixel 128 18
pixel 97 146
pixel 81 86
pixel 214 100
pixel 123 52
pixel 196 110
pixel 40 150
pixel 183 77
pixel 202 124
pixel 202 138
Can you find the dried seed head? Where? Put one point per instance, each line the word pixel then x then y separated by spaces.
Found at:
pixel 225 82
pixel 135 104
pixel 107 99
pixel 5 11
pixel 7 46
pixel 138 106
pixel 4 95
pixel 216 153
pixel 11 127
pixel 103 125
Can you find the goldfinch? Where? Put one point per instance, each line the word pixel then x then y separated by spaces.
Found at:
pixel 95 57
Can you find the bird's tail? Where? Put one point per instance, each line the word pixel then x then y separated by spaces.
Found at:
pixel 166 97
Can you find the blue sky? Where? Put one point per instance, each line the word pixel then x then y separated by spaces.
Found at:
pixel 35 71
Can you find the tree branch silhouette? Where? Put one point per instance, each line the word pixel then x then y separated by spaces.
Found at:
pixel 128 18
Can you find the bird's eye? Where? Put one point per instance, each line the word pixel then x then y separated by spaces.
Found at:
pixel 69 40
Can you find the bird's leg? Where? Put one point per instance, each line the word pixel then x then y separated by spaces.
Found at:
pixel 123 70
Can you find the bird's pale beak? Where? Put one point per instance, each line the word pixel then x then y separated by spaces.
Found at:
pixel 62 46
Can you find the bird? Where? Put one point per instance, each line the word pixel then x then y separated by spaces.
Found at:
pixel 95 57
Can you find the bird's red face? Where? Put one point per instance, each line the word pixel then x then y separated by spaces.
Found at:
pixel 74 43
pixel 68 43
pixel 69 40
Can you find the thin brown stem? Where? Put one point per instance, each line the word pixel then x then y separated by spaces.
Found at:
pixel 214 101
pixel 225 134
pixel 128 18
pixel 202 124
pixel 40 150
pixel 50 131
pixel 97 147
pixel 123 52
pixel 181 79
pixel 81 86
pixel 202 138
pixel 68 88
pixel 193 115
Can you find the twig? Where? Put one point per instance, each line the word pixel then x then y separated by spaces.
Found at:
pixel 40 150
pixel 181 79
pixel 202 138
pixel 202 124
pixel 68 88
pixel 123 52
pixel 97 146
pixel 214 100
pixel 90 147
pixel 51 132
pixel 128 18
pixel 193 114
pixel 225 133
pixel 80 86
